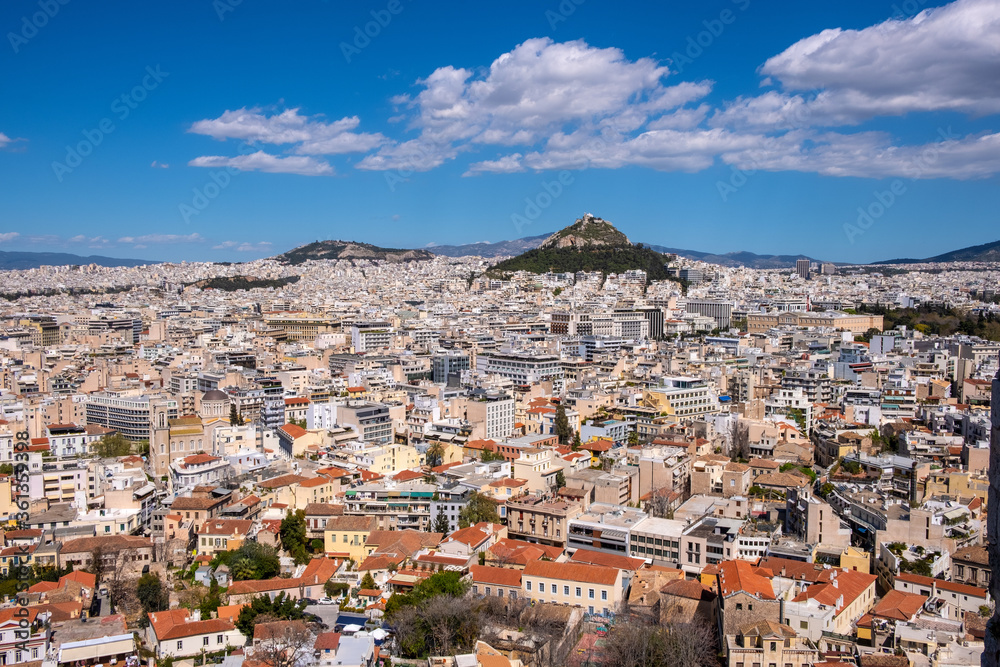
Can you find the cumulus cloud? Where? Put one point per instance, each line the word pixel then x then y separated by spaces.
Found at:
pixel 4 140
pixel 312 135
pixel 943 59
pixel 265 162
pixel 7 237
pixel 244 246
pixel 546 105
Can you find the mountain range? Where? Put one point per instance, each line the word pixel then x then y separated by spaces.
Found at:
pixel 987 252
pixel 19 261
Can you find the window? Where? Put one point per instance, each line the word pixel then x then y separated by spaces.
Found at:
pixel 204 641
pixel 488 591
pixel 475 589
pixel 803 625
pixel 579 591
pixel 604 595
pixel 218 639
pixel 527 585
pixel 590 594
pixel 566 591
pixel 774 647
pixel 180 644
pixel 739 606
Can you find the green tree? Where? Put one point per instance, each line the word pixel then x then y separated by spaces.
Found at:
pixel 479 508
pixel 293 535
pixel 576 442
pixel 112 445
pixel 6 469
pixel 441 524
pixel 152 594
pixel 368 581
pixel 210 604
pixel 560 480
pixel 489 455
pixel 633 438
pixel 562 427
pixel 252 560
pixel 435 455
pixel 282 608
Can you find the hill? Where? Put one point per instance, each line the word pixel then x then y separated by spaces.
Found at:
pixel 986 252
pixel 483 249
pixel 350 250
pixel 234 283
pixel 740 258
pixel 15 261
pixel 589 244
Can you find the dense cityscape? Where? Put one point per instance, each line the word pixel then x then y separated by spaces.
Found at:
pixel 572 333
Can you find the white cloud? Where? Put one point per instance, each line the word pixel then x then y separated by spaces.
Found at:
pixel 243 246
pixel 146 239
pixel 4 140
pixel 313 136
pixel 872 155
pixel 942 59
pixel 7 237
pixel 507 164
pixel 159 165
pixel 265 162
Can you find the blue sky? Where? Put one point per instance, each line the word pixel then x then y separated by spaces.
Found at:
pixel 230 130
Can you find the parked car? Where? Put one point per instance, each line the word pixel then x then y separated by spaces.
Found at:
pixel 325 601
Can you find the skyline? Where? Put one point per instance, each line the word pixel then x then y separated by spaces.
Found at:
pixel 734 118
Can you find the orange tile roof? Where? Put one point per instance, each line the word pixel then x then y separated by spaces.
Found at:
pixel 739 575
pixel 498 576
pixel 616 561
pixel 899 606
pixel 175 624
pixel 582 572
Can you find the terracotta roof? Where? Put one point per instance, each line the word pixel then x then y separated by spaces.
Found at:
pixel 581 572
pixel 845 588
pixel 105 542
pixel 327 641
pixel 314 481
pixel 175 624
pixel 294 431
pixel 324 509
pixel 739 575
pixel 687 588
pixel 617 561
pixel 281 480
pixel 899 606
pixel 198 459
pixel 226 527
pixel 963 589
pixel 407 475
pixel 352 523
pixel 517 552
pixel 498 576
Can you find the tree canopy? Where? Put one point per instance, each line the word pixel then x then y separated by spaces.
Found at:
pixel 479 508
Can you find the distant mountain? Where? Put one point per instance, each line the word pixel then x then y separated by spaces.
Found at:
pixel 589 244
pixel 498 249
pixel 741 258
pixel 987 252
pixel 15 261
pixel 350 250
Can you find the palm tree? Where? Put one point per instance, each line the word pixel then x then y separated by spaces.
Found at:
pixel 243 568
